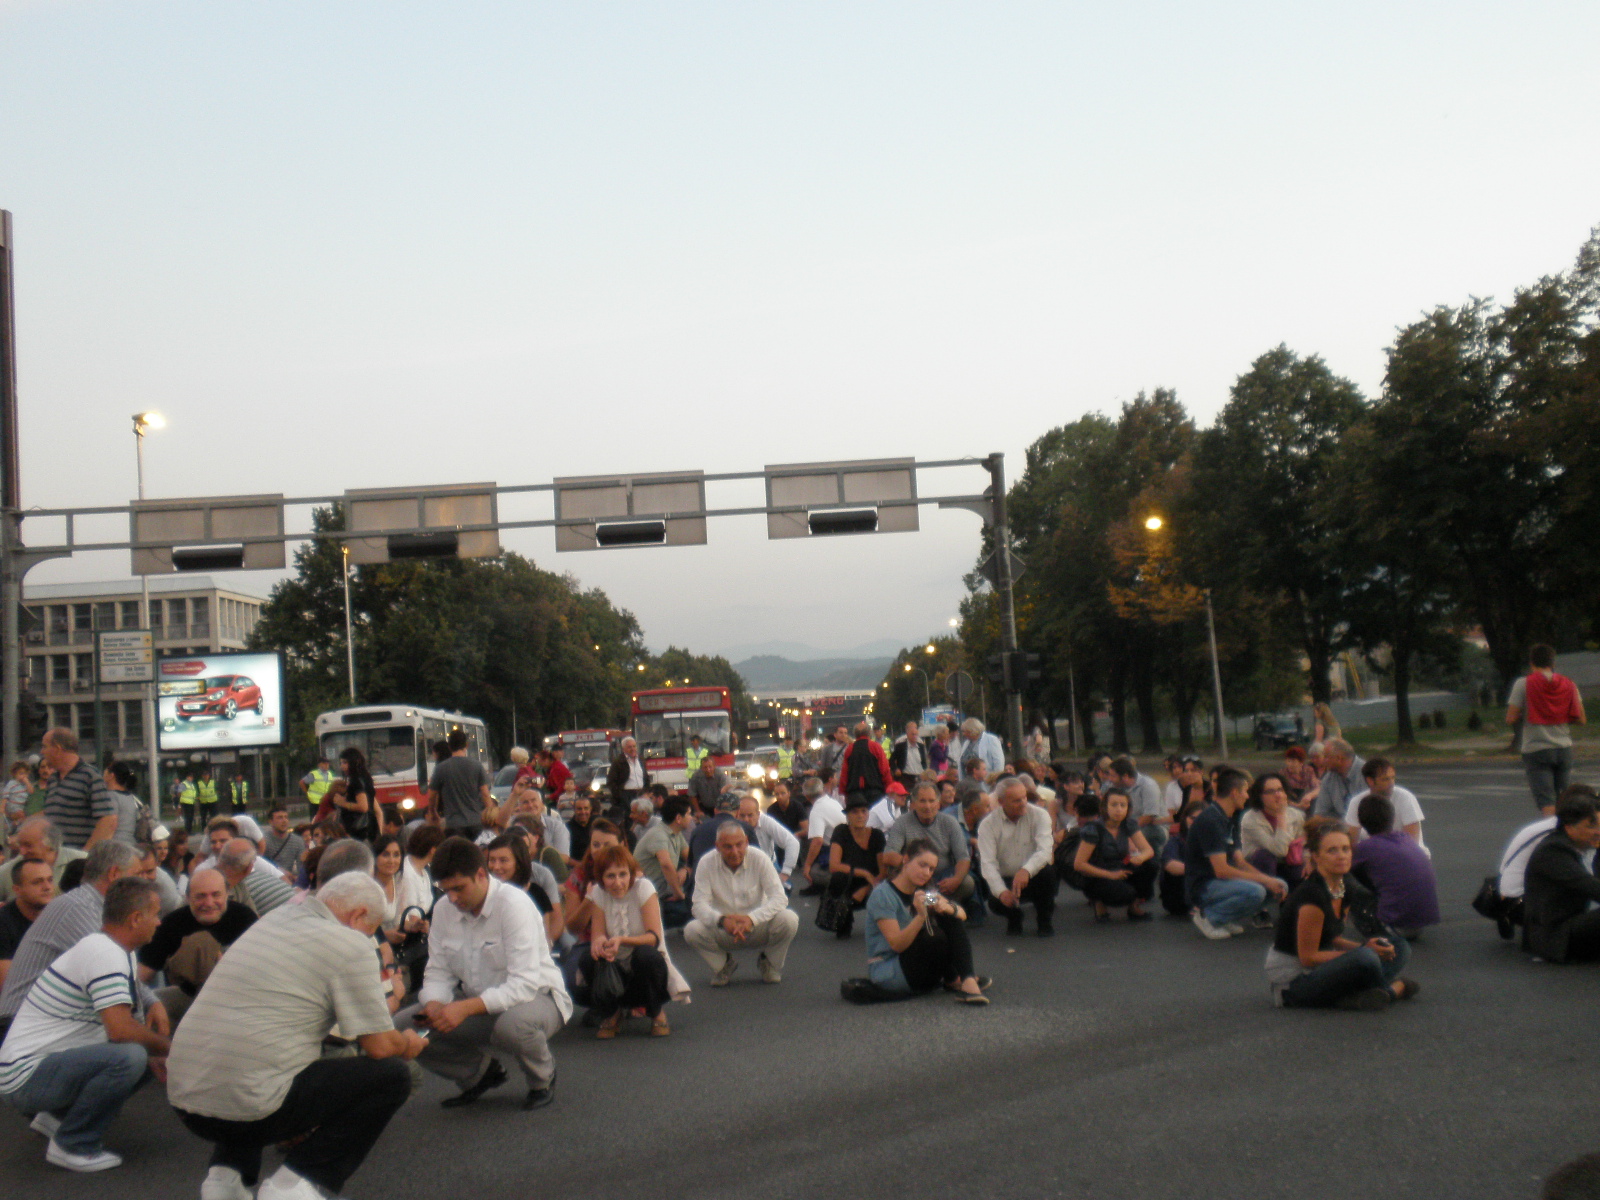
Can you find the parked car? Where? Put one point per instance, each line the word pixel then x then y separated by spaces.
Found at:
pixel 1278 731
pixel 224 696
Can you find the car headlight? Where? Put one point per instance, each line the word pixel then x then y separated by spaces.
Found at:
pixel 594 784
pixel 755 772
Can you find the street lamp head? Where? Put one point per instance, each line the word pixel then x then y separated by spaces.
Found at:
pixel 1153 523
pixel 148 420
pixel 932 649
pixel 908 668
pixel 955 622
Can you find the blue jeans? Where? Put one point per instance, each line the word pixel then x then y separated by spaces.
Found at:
pixel 86 1088
pixel 1353 971
pixel 1548 771
pixel 1228 901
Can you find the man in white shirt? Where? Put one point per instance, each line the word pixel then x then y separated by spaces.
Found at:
pixel 1379 774
pixel 490 982
pixel 1014 852
pixel 79 1046
pixel 739 902
pixel 827 812
pixel 773 840
pixel 888 810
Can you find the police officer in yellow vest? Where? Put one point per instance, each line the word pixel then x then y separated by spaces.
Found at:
pixel 693 755
pixel 187 794
pixel 316 783
pixel 786 759
pixel 206 795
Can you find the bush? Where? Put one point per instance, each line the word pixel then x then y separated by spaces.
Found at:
pixel 1474 721
pixel 1422 721
pixel 1438 719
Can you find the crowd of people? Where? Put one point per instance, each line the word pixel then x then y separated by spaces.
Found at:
pixel 288 982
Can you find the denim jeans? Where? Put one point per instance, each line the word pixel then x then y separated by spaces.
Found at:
pixel 1352 972
pixel 86 1088
pixel 1548 771
pixel 1228 901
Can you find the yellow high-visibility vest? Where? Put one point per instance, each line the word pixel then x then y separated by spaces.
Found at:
pixel 692 758
pixel 785 762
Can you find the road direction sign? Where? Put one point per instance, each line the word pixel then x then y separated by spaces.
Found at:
pixel 126 656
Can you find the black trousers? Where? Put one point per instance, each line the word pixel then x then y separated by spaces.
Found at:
pixel 1040 892
pixel 645 975
pixel 1583 937
pixel 1172 897
pixel 935 959
pixel 340 1106
pixel 1119 893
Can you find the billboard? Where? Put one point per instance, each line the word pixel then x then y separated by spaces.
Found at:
pixel 219 701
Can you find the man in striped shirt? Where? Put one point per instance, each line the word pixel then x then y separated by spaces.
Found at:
pixel 78 1048
pixel 78 803
pixel 66 921
pixel 260 892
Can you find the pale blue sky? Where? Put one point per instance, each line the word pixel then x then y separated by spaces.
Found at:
pixel 362 244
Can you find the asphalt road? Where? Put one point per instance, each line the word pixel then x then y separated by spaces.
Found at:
pixel 1115 1061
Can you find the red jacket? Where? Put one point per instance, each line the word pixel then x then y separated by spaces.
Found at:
pixel 847 784
pixel 1552 700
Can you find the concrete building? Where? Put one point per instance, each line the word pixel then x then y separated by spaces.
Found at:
pixel 190 614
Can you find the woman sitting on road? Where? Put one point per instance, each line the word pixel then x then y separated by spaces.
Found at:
pixel 1115 861
pixel 1311 963
pixel 625 929
pixel 507 860
pixel 916 940
pixel 853 860
pixel 1270 832
pixel 388 861
pixel 1300 777
pixel 1173 897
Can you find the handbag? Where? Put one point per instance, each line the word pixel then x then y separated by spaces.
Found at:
pixel 607 986
pixel 833 911
pixel 414 948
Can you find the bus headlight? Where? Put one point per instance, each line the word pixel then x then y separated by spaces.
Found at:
pixel 408 804
pixel 594 784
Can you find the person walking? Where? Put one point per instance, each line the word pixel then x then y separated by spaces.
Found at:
pixel 1548 705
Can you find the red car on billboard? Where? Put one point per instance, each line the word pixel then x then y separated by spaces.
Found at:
pixel 223 696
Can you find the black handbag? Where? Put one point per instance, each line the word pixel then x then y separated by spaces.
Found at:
pixel 414 949
pixel 607 986
pixel 833 911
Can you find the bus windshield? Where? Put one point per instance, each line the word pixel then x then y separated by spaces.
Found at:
pixel 389 750
pixel 664 735
pixel 589 754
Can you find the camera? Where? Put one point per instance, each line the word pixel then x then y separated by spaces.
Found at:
pixel 932 896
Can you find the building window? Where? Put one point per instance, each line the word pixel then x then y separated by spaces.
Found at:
pixel 133 721
pixel 105 614
pixel 61 668
pixel 177 617
pixel 130 614
pixel 83 667
pixel 85 721
pixel 61 716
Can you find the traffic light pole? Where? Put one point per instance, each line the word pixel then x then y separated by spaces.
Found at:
pixel 1003 589
pixel 10 508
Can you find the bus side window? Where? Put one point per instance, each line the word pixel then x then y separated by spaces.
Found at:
pixel 423 758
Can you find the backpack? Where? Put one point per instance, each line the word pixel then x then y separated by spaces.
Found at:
pixel 861 770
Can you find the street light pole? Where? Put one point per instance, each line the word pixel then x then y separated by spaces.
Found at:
pixel 10 511
pixel 349 641
pixel 151 702
pixel 927 691
pixel 1008 609
pixel 1216 679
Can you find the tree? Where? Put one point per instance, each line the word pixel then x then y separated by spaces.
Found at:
pixel 1261 470
pixel 489 637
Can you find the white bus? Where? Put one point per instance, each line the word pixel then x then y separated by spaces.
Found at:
pixel 397 741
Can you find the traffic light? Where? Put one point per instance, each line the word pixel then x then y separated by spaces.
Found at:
pixel 996 667
pixel 1032 671
pixel 33 720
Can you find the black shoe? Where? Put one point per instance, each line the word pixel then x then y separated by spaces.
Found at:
pixel 1507 929
pixel 1046 929
pixel 592 1018
pixel 492 1078
pixel 540 1097
pixel 1138 916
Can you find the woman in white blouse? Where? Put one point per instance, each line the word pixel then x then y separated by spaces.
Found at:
pixel 626 929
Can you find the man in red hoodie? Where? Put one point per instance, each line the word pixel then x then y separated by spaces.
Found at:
pixel 1550 704
pixel 864 769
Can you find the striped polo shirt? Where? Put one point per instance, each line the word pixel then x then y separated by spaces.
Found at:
pixel 62 1011
pixel 76 802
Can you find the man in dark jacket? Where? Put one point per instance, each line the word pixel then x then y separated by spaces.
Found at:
pixel 864 770
pixel 1557 925
pixel 626 780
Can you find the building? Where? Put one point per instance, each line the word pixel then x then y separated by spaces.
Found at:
pixel 190 614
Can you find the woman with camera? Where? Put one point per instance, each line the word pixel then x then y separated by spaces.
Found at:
pixel 1312 963
pixel 915 936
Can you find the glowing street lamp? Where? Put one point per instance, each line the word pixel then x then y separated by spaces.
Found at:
pixel 1153 523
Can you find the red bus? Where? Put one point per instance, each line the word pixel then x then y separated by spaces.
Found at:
pixel 665 718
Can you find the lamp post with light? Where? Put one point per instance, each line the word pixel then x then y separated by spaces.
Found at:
pixel 1154 524
pixel 927 689
pixel 142 423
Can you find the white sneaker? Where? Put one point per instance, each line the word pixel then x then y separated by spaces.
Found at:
pixel 100 1160
pixel 224 1183
pixel 46 1124
pixel 769 973
pixel 284 1184
pixel 1234 928
pixel 721 978
pixel 1211 931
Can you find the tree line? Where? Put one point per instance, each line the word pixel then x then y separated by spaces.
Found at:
pixel 497 638
pixel 1320 521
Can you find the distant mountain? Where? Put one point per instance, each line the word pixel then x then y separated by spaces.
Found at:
pixel 766 672
pixel 800 652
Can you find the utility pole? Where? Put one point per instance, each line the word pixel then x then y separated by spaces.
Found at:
pixel 10 506
pixel 1216 680
pixel 1008 611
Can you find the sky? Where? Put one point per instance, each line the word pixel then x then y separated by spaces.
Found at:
pixel 359 244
